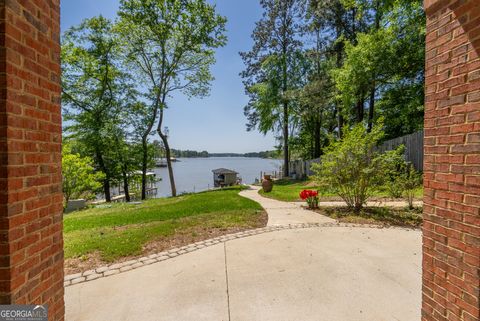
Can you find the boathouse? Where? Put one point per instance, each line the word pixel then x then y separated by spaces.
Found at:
pixel 224 177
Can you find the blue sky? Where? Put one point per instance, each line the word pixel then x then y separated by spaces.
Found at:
pixel 215 123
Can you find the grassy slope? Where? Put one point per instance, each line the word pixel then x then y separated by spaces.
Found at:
pixel 288 191
pixel 123 229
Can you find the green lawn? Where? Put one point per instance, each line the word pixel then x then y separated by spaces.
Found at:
pixel 123 229
pixel 289 190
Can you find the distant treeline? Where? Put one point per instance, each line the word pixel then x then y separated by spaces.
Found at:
pixel 195 154
pixel 189 153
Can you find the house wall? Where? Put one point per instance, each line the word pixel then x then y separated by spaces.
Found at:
pixel 451 230
pixel 31 244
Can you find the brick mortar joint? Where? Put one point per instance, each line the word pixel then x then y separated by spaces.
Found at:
pixel 133 264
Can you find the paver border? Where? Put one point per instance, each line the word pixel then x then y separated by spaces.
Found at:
pixel 118 268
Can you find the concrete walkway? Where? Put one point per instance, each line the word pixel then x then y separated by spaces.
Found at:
pixel 323 274
pixel 284 213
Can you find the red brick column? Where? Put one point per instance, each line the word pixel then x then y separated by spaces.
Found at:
pixel 451 231
pixel 31 244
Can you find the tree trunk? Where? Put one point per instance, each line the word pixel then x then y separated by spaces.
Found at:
pixel 125 186
pixel 169 162
pixel 338 111
pixel 371 110
pixel 106 181
pixel 318 137
pixel 144 167
pixel 106 189
pixel 286 158
pixel 360 109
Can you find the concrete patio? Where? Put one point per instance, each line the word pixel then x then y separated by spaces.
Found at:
pixel 324 273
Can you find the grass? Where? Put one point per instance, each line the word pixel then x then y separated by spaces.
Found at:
pixel 289 190
pixel 124 230
pixel 384 216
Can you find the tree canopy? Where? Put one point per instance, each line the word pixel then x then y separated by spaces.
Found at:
pixel 347 62
pixel 170 45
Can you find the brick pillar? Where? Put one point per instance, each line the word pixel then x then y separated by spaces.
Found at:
pixel 451 231
pixel 31 244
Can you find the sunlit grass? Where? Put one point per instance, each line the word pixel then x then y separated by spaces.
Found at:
pixel 289 191
pixel 123 229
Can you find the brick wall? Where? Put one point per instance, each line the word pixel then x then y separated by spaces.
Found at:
pixel 31 244
pixel 451 240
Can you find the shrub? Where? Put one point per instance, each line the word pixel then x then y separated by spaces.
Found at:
pixel 400 177
pixel 393 169
pixel 351 167
pixel 79 176
pixel 410 180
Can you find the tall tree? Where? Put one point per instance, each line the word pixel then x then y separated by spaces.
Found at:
pixel 171 45
pixel 277 42
pixel 335 21
pixel 95 90
pixel 143 118
pixel 387 57
pixel 366 54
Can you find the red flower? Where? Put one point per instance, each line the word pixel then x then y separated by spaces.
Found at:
pixel 303 195
pixel 306 194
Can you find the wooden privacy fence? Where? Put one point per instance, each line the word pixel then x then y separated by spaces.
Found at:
pixel 300 169
pixel 413 148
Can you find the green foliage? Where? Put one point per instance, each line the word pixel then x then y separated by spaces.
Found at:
pixel 80 180
pixel 96 93
pixel 368 61
pixel 269 93
pixel 189 153
pixel 399 177
pixel 170 45
pixel 351 167
pixel 193 154
pixel 410 181
pixel 274 67
pixel 393 168
pixel 402 107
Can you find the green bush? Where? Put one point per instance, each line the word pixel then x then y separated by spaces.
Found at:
pixel 393 170
pixel 410 180
pixel 79 177
pixel 351 167
pixel 400 177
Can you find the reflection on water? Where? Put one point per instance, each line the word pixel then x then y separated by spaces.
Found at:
pixel 195 174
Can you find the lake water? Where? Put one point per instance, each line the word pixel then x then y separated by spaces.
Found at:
pixel 195 174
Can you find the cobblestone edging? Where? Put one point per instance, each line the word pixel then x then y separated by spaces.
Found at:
pixel 154 258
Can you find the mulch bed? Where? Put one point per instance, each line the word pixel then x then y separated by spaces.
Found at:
pixel 381 216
